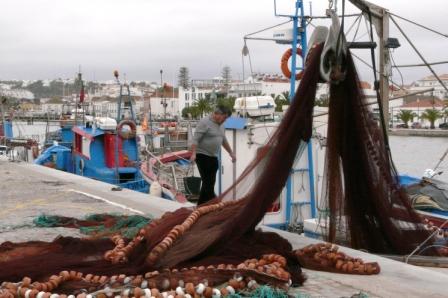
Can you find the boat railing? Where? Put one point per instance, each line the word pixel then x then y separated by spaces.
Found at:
pixel 162 168
pixel 152 155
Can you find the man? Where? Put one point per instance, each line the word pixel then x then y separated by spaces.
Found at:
pixel 207 140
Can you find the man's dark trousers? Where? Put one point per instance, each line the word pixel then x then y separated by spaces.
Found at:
pixel 208 166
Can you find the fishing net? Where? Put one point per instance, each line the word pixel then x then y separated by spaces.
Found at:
pixel 198 248
pixel 211 242
pixel 98 225
pixel 368 208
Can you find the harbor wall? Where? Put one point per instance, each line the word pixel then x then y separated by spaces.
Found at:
pixel 419 132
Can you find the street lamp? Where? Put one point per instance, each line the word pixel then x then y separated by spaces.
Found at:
pixel 163 102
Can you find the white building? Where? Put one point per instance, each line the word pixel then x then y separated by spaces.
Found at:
pixel 275 86
pixel 419 107
pixel 157 107
pixel 242 89
pixel 187 97
pixel 52 108
pixel 6 90
pixel 431 82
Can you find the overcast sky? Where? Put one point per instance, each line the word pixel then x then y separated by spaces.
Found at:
pixel 50 38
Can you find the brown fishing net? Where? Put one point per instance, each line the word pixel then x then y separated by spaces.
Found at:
pixel 218 240
pixel 368 208
pixel 220 233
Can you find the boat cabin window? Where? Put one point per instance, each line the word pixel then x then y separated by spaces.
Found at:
pixel 82 145
pixel 86 146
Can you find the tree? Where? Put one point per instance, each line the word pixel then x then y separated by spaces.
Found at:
pixel 431 115
pixel 227 78
pixel 227 102
pixel 56 88
pixel 184 77
pixel 286 95
pixel 406 116
pixel 279 102
pixel 191 112
pixel 445 114
pixel 203 105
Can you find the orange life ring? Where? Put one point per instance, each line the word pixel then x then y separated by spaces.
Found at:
pixel 127 134
pixel 284 64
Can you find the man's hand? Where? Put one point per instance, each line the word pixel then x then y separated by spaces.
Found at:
pixel 193 157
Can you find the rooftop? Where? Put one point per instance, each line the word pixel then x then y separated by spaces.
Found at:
pixel 433 78
pixel 425 103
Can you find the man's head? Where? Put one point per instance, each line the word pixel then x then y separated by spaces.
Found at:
pixel 221 113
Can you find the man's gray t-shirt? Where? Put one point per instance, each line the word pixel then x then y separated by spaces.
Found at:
pixel 208 137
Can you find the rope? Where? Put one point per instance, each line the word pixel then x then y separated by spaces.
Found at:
pixel 340 36
pixel 327 17
pixel 395 65
pixel 419 54
pixel 370 66
pixel 265 29
pixel 358 22
pixel 415 65
pixel 419 25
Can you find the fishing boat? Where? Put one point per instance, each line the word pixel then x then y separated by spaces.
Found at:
pixel 429 197
pixel 100 148
pixel 173 172
pixel 254 106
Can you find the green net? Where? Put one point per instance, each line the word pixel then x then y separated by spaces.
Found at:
pixel 128 226
pixel 261 292
pixel 97 224
pixel 48 221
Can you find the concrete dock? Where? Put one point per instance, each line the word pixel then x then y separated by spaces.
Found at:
pixel 27 191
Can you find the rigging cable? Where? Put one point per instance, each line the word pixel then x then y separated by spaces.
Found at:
pixel 419 54
pixel 246 52
pixel 357 27
pixel 395 65
pixel 340 36
pixel 370 66
pixel 419 25
pixel 420 64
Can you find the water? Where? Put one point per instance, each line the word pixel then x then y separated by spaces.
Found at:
pixel 413 155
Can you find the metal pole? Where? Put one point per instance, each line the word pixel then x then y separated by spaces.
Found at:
pixel 165 137
pixel 384 62
pixel 234 164
pixel 299 6
pixel 3 117
pixel 220 172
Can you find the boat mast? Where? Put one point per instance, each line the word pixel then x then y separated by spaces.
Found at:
pixel 298 37
pixel 379 17
pixel 2 100
pixel 163 98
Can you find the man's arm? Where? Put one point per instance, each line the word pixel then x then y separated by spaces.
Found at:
pixel 226 146
pixel 193 152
